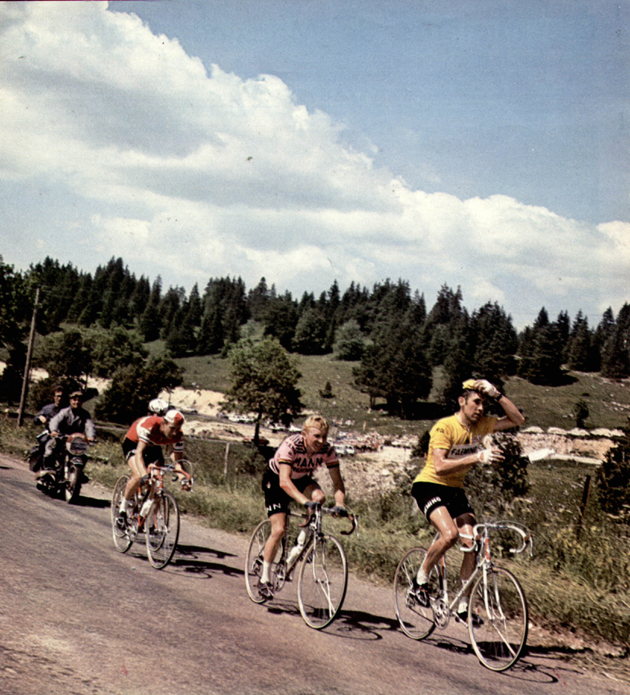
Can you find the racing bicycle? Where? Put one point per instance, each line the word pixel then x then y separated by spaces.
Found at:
pixel 320 561
pixel 154 517
pixel 497 609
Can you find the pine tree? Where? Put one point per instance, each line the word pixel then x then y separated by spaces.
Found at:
pixel 150 321
pixel 280 319
pixel 582 353
pixel 541 352
pixel 210 339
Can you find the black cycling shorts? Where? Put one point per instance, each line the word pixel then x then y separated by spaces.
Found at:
pixel 276 499
pixel 151 454
pixel 430 496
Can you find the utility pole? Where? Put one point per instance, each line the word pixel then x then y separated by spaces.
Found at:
pixel 27 366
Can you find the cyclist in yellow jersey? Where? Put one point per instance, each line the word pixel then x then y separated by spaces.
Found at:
pixel 455 446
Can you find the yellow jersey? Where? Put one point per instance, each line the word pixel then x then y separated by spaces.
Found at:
pixel 449 434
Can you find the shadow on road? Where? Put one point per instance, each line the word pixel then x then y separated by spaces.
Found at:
pixel 523 670
pixel 362 625
pixel 192 559
pixel 93 502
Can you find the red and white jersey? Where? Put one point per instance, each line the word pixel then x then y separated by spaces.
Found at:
pixel 147 429
pixel 292 451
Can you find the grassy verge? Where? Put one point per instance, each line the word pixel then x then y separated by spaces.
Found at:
pixel 572 584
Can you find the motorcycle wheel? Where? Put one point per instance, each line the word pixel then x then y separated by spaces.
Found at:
pixel 73 483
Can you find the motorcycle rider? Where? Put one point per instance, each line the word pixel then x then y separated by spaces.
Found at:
pixel 36 454
pixel 68 420
pixel 49 411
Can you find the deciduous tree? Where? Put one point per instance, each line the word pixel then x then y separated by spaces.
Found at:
pixel 264 382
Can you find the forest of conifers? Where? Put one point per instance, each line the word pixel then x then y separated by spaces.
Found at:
pixel 387 329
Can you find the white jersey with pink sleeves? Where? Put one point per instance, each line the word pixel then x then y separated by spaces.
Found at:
pixel 293 452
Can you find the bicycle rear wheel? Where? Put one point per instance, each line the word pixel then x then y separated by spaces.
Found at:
pixel 416 619
pixel 497 619
pixel 322 582
pixel 162 530
pixel 122 540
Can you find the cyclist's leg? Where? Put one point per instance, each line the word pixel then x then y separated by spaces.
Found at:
pixel 442 521
pixel 278 526
pixel 314 492
pixel 277 506
pixel 464 516
pixel 465 524
pixel 138 459
pixel 433 500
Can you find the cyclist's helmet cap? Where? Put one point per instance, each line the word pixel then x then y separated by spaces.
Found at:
pixel 158 406
pixel 174 416
pixel 469 385
pixel 76 394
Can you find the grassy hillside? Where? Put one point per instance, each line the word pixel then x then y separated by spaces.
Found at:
pixel 608 401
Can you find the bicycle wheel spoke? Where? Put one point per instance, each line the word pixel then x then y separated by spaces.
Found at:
pixel 415 616
pixel 162 530
pixel 498 619
pixel 322 582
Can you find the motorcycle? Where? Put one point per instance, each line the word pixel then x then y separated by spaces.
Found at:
pixel 66 478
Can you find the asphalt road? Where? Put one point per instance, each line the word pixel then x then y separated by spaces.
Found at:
pixel 77 617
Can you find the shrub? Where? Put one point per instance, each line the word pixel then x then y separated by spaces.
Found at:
pixel 613 479
pixel 492 489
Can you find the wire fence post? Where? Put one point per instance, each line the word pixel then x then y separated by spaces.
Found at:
pixel 226 461
pixel 585 495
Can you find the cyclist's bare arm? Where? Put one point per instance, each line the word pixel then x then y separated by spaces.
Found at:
pixel 288 486
pixel 512 418
pixel 182 474
pixel 338 486
pixel 445 466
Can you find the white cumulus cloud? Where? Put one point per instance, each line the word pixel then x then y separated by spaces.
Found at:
pixel 189 171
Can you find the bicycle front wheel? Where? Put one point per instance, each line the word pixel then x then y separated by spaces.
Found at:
pixel 322 582
pixel 122 540
pixel 413 611
pixel 497 619
pixel 254 562
pixel 162 530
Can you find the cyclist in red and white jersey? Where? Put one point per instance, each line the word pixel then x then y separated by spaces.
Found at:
pixel 143 445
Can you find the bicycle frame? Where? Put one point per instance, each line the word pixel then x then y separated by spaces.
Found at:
pixel 442 607
pixel 315 532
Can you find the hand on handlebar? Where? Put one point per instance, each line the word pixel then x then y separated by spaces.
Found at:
pixel 309 504
pixel 338 510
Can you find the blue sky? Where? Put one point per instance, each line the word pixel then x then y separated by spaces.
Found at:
pixel 479 144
